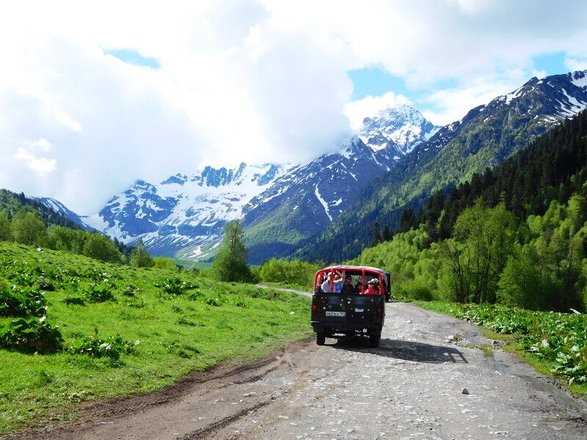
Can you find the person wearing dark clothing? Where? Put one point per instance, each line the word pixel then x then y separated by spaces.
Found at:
pixel 347 287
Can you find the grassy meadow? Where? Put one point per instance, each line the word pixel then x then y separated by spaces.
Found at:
pixel 116 330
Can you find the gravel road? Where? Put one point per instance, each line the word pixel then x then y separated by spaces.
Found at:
pixel 428 380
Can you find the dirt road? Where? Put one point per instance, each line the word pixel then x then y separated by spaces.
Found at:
pixel 417 385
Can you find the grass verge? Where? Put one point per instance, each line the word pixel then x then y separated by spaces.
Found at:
pixel 125 330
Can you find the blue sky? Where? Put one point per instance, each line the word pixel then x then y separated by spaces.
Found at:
pixel 131 56
pixel 376 81
pixel 219 82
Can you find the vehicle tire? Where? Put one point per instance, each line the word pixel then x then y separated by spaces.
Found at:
pixel 374 339
pixel 320 338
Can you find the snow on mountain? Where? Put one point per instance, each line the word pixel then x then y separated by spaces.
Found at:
pixel 185 215
pixel 398 128
pixel 61 209
pixel 183 211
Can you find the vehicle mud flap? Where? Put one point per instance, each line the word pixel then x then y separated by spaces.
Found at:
pixel 320 338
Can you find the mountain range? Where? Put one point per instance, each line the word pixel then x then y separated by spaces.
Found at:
pixel 279 205
pixel 326 208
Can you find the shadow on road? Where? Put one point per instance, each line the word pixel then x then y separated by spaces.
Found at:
pixel 405 350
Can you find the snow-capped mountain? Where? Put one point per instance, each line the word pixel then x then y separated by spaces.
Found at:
pixel 310 196
pixel 184 211
pixel 62 210
pixel 398 128
pixel 283 207
pixel 185 216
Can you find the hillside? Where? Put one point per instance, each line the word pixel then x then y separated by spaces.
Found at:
pixel 53 213
pixel 111 330
pixel 485 137
pixel 517 234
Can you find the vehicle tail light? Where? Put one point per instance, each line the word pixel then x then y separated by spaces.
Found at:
pixel 314 307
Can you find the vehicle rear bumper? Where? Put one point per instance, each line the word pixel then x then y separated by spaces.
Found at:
pixel 349 327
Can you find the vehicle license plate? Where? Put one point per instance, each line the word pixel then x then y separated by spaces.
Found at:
pixel 339 314
pixel 359 310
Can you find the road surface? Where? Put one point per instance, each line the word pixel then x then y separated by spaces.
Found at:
pixel 428 380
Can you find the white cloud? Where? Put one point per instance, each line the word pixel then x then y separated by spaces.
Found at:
pixel 576 62
pixel 358 110
pixel 41 165
pixel 238 79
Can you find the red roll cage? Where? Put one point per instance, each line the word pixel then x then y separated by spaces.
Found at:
pixel 366 272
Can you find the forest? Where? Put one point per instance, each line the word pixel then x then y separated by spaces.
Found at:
pixel 515 235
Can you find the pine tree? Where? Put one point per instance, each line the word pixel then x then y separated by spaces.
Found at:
pixel 231 262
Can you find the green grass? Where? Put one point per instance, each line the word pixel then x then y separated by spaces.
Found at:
pixel 207 323
pixel 555 344
pixel 293 286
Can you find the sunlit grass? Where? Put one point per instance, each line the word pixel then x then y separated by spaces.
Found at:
pixel 210 322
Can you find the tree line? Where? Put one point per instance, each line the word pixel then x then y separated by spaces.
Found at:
pixel 553 167
pixel 493 256
pixel 26 226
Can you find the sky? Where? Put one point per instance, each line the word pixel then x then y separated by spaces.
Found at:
pixel 94 95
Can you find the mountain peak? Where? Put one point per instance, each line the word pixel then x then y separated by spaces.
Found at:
pixel 400 128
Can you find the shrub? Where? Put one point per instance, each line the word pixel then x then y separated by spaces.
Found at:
pixel 213 301
pixel 21 301
pixel 130 290
pixel 74 301
pixel 45 284
pixel 32 334
pixel 111 347
pixel 175 286
pixel 99 292
pixel 558 338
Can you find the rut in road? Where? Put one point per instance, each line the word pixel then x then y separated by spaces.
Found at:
pixel 410 387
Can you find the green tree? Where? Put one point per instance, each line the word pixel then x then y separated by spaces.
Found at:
pixel 293 272
pixel 524 282
pixel 66 239
pixel 483 240
pixel 28 228
pixel 5 233
pixel 139 256
pixel 231 262
pixel 102 248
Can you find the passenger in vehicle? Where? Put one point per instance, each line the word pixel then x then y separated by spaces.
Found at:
pixel 333 283
pixel 360 287
pixel 319 282
pixel 372 287
pixel 347 287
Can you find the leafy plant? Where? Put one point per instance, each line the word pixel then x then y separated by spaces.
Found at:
pixel 99 292
pixel 32 334
pixel 111 347
pixel 175 286
pixel 15 301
